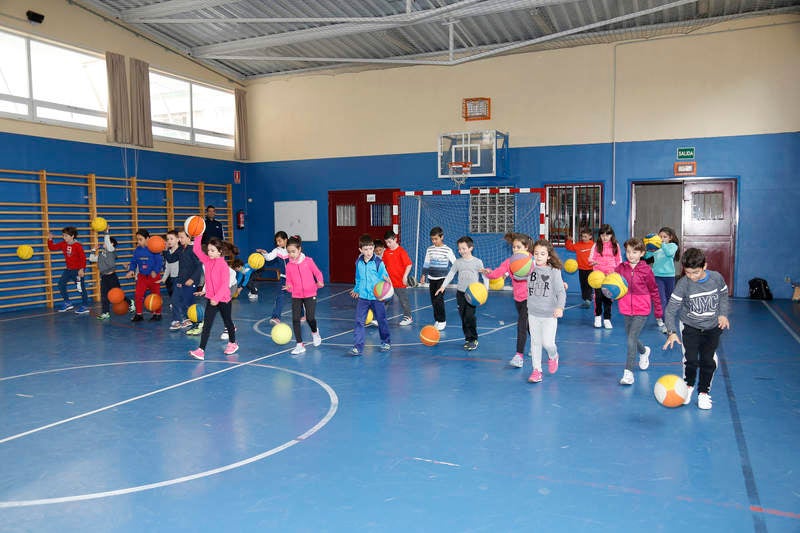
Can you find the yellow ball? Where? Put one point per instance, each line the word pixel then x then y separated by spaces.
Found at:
pixel 195 313
pixel 670 390
pixel 596 278
pixel 370 317
pixel 281 333
pixel 255 260
pixel 497 284
pixel 476 293
pixel 570 266
pixel 99 224
pixel 25 252
pixel 652 242
pixel 614 286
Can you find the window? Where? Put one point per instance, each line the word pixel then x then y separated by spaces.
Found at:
pixel 707 206
pixel 345 215
pixel 186 111
pixel 41 81
pixel 491 213
pixel 380 215
pixel 572 207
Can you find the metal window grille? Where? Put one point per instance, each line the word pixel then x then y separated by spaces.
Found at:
pixel 572 207
pixel 345 215
pixel 491 213
pixel 707 206
pixel 380 215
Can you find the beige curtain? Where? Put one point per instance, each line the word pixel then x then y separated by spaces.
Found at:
pixel 119 111
pixel 240 131
pixel 141 122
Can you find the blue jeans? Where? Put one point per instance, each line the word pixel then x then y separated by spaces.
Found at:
pixel 69 276
pixel 182 297
pixel 665 287
pixel 278 307
pixel 379 312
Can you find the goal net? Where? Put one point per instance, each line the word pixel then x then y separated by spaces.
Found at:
pixel 485 214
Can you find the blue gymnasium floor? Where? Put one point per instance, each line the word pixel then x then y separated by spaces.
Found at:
pixel 111 427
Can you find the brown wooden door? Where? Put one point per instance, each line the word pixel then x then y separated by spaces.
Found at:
pixel 709 223
pixel 350 215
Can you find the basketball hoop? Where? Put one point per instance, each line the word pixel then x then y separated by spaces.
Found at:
pixel 459 171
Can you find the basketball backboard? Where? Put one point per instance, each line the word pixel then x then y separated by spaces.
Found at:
pixel 487 151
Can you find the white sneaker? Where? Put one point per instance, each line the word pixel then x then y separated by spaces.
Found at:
pixel 688 399
pixel 607 324
pixel 300 348
pixel 317 338
pixel 374 323
pixel 704 400
pixel 517 361
pixel 644 358
pixel 598 321
pixel 224 335
pixel 659 322
pixel 627 378
pixel 252 296
pixel 440 325
pixel 407 321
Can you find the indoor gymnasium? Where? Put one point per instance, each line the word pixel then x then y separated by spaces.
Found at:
pixel 421 265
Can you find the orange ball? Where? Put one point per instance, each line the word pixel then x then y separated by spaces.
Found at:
pixel 156 244
pixel 116 295
pixel 194 226
pixel 153 303
pixel 429 335
pixel 120 308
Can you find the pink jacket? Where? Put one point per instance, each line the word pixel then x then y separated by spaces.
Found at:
pixel 217 275
pixel 302 276
pixel 519 287
pixel 642 290
pixel 606 261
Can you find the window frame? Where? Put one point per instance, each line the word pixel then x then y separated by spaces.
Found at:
pixel 574 216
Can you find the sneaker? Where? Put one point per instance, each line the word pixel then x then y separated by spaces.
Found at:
pixel 607 324
pixel 688 399
pixel 66 306
pixel 627 378
pixel 535 377
pixel 407 321
pixel 195 331
pixel 224 335
pixel 466 345
pixel 586 304
pixel 82 310
pixel 104 316
pixel 659 322
pixel 440 325
pixel 198 353
pixel 186 323
pixel 598 321
pixel 644 359
pixel 252 296
pixel 231 348
pixel 517 361
pixel 663 328
pixel 316 338
pixel 385 347
pixel 137 318
pixel 155 318
pixel 353 351
pixel 274 320
pixel 374 323
pixel 300 348
pixel 704 400
pixel 174 325
pixel 132 308
pixel 552 364
pixel 471 345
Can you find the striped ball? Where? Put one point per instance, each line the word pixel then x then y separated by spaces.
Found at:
pixel 521 265
pixel 670 390
pixel 652 242
pixel 383 290
pixel 476 294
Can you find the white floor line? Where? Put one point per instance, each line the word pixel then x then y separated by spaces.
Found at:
pixel 781 321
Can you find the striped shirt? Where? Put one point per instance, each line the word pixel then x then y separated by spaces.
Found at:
pixel 437 261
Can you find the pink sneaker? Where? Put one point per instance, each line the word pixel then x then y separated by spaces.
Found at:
pixel 198 353
pixel 231 348
pixel 552 365
pixel 535 377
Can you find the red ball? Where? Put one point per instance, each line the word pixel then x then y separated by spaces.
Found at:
pixel 116 295
pixel 156 244
pixel 120 308
pixel 153 303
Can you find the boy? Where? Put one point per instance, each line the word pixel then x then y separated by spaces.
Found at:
pixel 582 250
pixel 149 267
pixel 467 267
pixel 75 268
pixel 369 271
pixel 243 279
pixel 398 265
pixel 700 301
pixel 190 271
pixel 380 247
pixel 438 259
pixel 106 259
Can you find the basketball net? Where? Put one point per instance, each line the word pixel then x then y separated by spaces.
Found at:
pixel 459 172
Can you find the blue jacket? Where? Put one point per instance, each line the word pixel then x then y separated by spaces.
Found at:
pixel 189 267
pixel 367 275
pixel 243 277
pixel 146 261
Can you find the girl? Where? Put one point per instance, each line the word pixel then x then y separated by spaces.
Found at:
pixel 279 253
pixel 146 266
pixel 605 257
pixel 302 280
pixel 635 305
pixel 664 267
pixel 546 299
pixel 218 292
pixel 520 243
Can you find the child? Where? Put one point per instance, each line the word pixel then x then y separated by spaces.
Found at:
pixel 380 246
pixel 303 277
pixel 369 271
pixel 218 292
pixel 700 301
pixel 635 305
pixel 398 265
pixel 75 268
pixel 232 288
pixel 664 266
pixel 546 299
pixel 190 271
pixel 468 268
pixel 172 253
pixel 106 259
pixel 605 256
pixel 149 266
pixel 582 250
pixel 244 279
pixel 279 255
pixel 438 259
pixel 520 243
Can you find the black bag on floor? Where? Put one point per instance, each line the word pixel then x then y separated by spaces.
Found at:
pixel 759 289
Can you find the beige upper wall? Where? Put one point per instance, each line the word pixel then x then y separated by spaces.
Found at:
pixel 742 77
pixel 69 24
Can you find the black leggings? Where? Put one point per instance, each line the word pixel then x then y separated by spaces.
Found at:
pixel 437 300
pixel 602 304
pixel 310 305
pixel 522 324
pixel 224 308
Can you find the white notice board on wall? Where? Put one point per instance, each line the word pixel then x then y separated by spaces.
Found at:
pixel 297 218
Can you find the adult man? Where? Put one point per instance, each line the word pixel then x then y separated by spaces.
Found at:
pixel 213 226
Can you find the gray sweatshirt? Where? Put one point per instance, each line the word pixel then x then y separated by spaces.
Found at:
pixel 467 270
pixel 545 291
pixel 106 257
pixel 698 303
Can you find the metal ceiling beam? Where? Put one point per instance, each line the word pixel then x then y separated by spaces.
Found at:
pixel 170 7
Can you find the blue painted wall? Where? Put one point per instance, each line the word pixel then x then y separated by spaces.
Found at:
pixel 767 168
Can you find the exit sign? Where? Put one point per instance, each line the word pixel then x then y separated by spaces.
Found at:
pixel 686 153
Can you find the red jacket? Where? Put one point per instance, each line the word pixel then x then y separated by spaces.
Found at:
pixel 73 253
pixel 642 290
pixel 582 251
